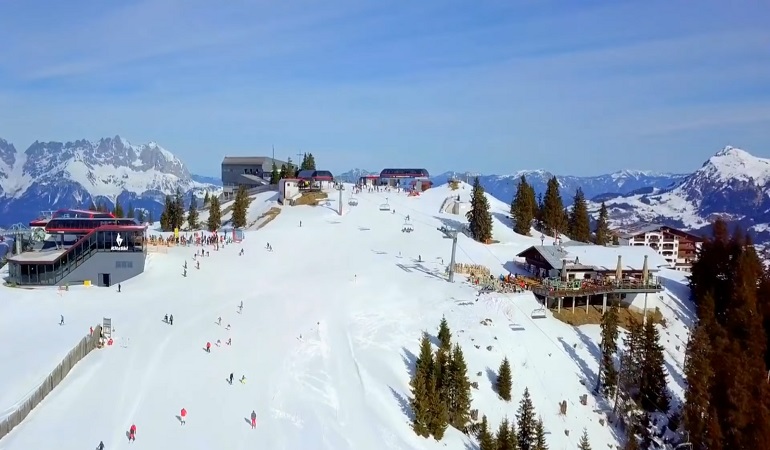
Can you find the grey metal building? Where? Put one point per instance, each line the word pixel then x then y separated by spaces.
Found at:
pixel 105 256
pixel 248 171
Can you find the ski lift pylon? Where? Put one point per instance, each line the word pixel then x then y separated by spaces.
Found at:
pixel 385 206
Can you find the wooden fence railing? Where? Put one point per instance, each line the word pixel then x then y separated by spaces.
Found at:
pixel 83 348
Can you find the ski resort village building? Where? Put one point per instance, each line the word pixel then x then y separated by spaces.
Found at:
pixel 82 247
pixel 315 179
pixel 416 179
pixel 587 274
pixel 248 171
pixel 678 248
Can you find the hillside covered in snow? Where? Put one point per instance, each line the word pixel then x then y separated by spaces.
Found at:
pixel 324 366
pixel 53 175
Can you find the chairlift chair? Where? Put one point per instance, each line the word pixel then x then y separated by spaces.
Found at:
pixel 539 313
pixel 385 206
pixel 407 227
pixel 353 201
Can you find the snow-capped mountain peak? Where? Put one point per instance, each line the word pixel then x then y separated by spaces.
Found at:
pixel 733 163
pixel 61 175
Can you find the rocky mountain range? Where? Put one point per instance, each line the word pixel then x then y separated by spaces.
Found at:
pixel 732 184
pixel 53 175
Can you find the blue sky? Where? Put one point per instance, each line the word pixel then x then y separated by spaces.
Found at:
pixel 574 87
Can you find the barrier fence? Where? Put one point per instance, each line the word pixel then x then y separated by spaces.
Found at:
pixel 83 348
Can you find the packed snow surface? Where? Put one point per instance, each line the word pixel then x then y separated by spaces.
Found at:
pixel 326 339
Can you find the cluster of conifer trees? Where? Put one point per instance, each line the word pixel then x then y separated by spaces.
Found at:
pixel 441 390
pixel 290 170
pixel 118 211
pixel 549 216
pixel 727 401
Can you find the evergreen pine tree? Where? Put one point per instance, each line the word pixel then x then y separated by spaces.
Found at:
pixel 602 234
pixel 553 209
pixel 579 226
pixel 141 216
pixel 486 440
pixel 631 442
pixel 523 207
pixel 584 444
pixel 444 335
pixel 421 385
pixel 514 435
pixel 539 223
pixel 311 162
pixel 479 218
pixel 699 375
pixel 540 441
pixel 118 210
pixel 609 375
pixel 631 359
pixel 150 218
pixel 525 417
pixel 275 174
pixel 178 210
pixel 192 214
pixel 165 216
pixel 214 221
pixel 459 390
pixel 615 240
pixel 240 207
pixel 439 412
pixel 284 173
pixel 131 212
pixel 504 381
pixel 504 438
pixel 653 387
pixel 206 199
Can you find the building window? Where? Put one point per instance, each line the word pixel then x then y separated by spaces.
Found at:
pixel 124 264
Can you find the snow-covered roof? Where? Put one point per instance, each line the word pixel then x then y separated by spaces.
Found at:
pixel 599 257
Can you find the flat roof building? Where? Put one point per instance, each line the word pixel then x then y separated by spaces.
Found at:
pixel 248 171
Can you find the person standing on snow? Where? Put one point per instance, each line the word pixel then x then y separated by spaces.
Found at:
pixel 208 347
pixel 183 415
pixel 61 321
pixel 231 378
pixel 100 446
pixel 132 433
pixel 171 319
pixel 253 419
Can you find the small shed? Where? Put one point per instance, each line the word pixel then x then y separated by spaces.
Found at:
pixel 288 189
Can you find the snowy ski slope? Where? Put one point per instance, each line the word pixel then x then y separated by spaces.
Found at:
pixel 352 288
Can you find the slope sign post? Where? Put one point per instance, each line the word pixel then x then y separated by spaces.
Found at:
pixel 340 188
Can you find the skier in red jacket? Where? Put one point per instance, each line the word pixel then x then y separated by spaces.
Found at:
pixel 132 433
pixel 183 415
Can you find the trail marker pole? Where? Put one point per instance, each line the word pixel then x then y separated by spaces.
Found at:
pixel 451 234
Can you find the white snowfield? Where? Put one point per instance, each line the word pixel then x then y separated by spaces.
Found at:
pixel 326 340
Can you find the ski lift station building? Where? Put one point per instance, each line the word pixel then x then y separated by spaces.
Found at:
pixel 248 171
pixel 418 179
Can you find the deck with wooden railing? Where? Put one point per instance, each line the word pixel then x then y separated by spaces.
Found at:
pixel 553 288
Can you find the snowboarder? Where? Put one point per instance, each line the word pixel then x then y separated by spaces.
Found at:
pixel 185 263
pixel 197 264
pixel 165 318
pixel 118 287
pixel 243 379
pixel 208 347
pixel 100 446
pixel 228 326
pixel 184 273
pixel 171 319
pixel 219 343
pixel 231 378
pixel 253 419
pixel 229 341
pixel 183 415
pixel 132 433
pixel 61 321
pixel 219 321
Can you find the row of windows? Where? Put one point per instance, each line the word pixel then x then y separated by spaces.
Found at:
pixel 86 224
pixel 67 214
pixel 404 172
pixel 124 264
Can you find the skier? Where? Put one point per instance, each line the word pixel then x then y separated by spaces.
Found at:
pixel 171 319
pixel 183 415
pixel 231 378
pixel 219 321
pixel 100 446
pixel 197 264
pixel 243 379
pixel 219 342
pixel 118 287
pixel 185 263
pixel 208 347
pixel 253 419
pixel 165 318
pixel 300 224
pixel 61 321
pixel 228 326
pixel 132 433
pixel 229 341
